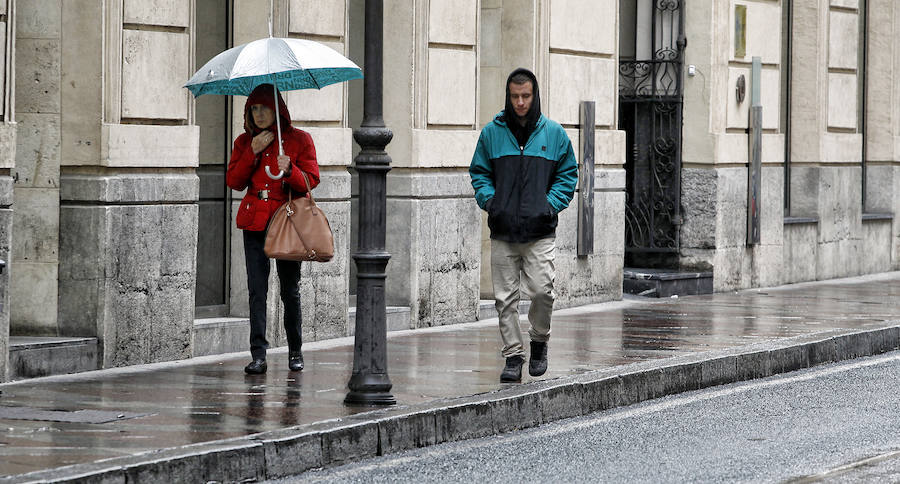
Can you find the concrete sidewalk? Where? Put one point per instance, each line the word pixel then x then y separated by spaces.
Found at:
pixel 204 420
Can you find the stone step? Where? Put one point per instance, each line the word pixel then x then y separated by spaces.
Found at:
pixel 398 318
pixel 213 336
pixel 488 310
pixel 665 282
pixel 32 357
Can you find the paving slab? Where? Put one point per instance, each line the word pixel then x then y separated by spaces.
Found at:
pixel 195 415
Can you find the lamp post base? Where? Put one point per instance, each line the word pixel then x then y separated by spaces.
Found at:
pixel 369 389
pixel 366 399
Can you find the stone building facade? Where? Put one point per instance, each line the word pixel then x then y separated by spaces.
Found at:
pixel 118 228
pixel 831 113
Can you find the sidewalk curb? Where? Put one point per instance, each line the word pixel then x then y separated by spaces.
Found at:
pixel 293 450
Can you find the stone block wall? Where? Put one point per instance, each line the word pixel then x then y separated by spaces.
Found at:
pixel 799 252
pixel 875 246
pixel 128 189
pixel 597 277
pixel 436 210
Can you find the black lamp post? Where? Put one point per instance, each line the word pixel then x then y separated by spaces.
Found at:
pixel 369 384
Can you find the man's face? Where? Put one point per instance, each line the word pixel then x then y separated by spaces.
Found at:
pixel 263 115
pixel 521 96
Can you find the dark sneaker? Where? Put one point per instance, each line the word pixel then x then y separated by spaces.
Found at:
pixel 256 367
pixel 295 361
pixel 513 370
pixel 537 365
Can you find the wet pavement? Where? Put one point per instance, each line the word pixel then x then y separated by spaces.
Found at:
pixel 139 409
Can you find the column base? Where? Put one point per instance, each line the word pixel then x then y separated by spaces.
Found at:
pixel 369 389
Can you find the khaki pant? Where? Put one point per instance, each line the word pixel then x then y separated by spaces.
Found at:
pixel 534 261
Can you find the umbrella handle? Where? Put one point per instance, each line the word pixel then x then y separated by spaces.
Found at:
pixel 274 177
pixel 277 125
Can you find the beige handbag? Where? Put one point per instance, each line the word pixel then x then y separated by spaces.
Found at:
pixel 299 231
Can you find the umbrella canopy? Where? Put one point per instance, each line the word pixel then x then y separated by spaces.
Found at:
pixel 289 64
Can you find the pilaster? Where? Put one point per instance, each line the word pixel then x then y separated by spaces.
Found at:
pixel 716 150
pixel 883 118
pixel 7 163
pixel 128 186
pixel 826 133
pixel 431 103
pixel 35 239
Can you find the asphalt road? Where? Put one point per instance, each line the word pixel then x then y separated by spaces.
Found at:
pixel 837 423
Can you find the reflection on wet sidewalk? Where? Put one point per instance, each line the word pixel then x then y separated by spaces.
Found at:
pixel 196 402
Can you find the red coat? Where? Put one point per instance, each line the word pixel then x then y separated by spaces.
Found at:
pixel 246 170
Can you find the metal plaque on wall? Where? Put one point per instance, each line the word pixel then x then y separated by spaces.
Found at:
pixel 754 174
pixel 585 240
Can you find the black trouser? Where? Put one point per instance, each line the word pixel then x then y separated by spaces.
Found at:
pixel 258 285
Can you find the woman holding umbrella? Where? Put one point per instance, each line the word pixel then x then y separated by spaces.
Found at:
pixel 255 150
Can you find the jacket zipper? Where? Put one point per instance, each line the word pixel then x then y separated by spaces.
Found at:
pixel 521 195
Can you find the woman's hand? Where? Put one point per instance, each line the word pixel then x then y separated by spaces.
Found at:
pixel 261 141
pixel 284 164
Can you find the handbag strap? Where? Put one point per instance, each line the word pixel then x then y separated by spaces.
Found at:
pixel 308 189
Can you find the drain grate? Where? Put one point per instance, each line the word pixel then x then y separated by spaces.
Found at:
pixel 76 416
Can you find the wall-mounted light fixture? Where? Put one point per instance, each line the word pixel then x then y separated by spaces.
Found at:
pixel 740 90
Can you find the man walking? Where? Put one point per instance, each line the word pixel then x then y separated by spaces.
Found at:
pixel 524 173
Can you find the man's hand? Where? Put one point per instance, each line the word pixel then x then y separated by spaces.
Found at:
pixel 284 163
pixel 261 141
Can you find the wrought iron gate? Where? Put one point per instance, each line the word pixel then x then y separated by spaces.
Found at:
pixel 650 113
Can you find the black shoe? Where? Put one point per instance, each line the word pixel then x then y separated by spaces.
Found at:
pixel 513 370
pixel 256 367
pixel 295 361
pixel 537 365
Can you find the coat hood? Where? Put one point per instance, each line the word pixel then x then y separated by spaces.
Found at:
pixel 265 94
pixel 534 114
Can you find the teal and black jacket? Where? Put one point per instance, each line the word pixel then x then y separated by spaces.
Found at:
pixel 523 188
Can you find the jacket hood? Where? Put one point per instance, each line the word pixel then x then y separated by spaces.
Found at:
pixel 265 94
pixel 534 113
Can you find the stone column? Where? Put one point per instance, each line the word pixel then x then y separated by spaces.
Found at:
pixel 7 164
pixel 883 130
pixel 323 114
pixel 715 149
pixel 826 145
pixel 430 104
pixel 128 188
